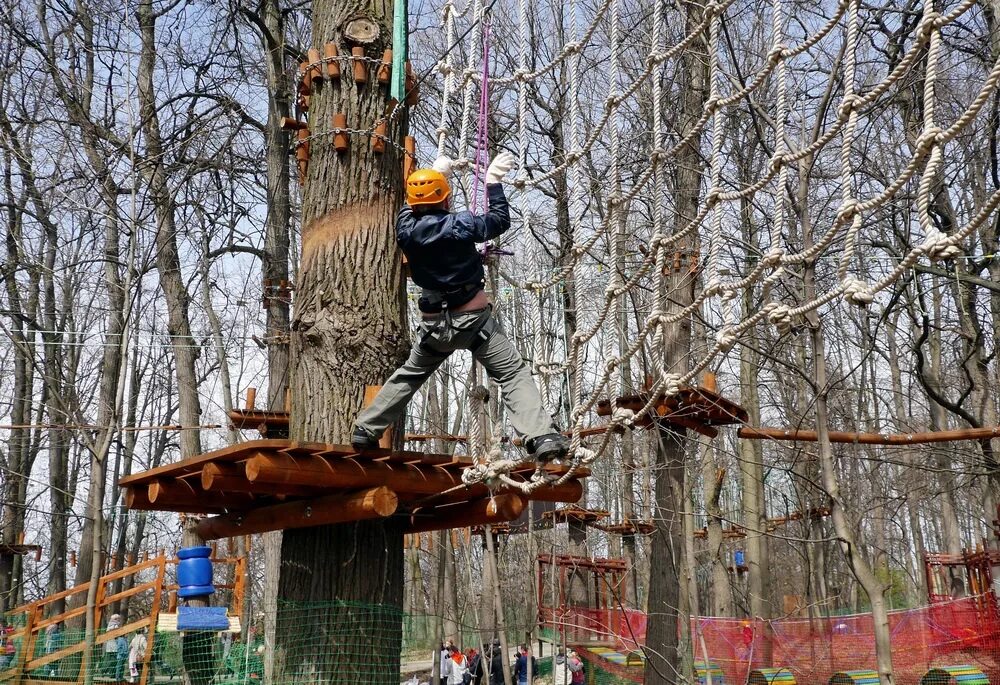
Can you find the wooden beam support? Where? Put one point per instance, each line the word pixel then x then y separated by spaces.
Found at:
pixel 233 478
pixel 137 499
pixel 499 509
pixel 317 472
pixel 367 504
pixel 569 492
pixel 179 492
pixel 764 433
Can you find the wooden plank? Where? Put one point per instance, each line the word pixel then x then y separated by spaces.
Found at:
pixel 222 477
pixel 349 474
pixel 193 464
pixel 498 509
pixel 368 504
pixel 765 433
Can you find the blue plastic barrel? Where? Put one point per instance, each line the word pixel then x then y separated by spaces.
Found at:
pixel 194 572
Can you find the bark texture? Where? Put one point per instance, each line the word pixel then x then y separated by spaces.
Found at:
pixel 348 332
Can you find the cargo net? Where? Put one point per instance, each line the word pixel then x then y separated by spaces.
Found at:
pixel 962 635
pixel 617 278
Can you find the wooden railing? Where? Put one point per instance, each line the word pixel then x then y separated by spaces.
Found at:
pixel 33 619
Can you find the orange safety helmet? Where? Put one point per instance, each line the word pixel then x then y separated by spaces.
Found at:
pixel 426 187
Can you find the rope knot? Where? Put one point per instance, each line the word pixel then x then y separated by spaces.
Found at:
pixel 713 287
pixel 711 104
pixel 780 316
pixel 726 338
pixel 612 101
pixel 444 68
pixel 520 182
pixel 573 156
pixel 671 384
pixel 847 105
pixel 774 164
pixel 773 257
pixel 847 210
pixel 521 74
pixel 460 163
pixel 939 246
pixel 712 198
pixel 857 292
pixel 571 48
pixel 776 54
pixel 441 130
pixel 656 154
pixel 929 136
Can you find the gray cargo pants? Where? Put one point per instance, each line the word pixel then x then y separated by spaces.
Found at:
pixel 435 341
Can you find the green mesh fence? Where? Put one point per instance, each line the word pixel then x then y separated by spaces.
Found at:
pixel 328 642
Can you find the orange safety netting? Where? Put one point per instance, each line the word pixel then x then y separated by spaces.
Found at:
pixel 962 631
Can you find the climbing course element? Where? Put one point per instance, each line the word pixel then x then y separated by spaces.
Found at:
pixel 771 676
pixel 264 485
pixel 709 673
pixel 955 675
pixel 723 279
pixel 855 678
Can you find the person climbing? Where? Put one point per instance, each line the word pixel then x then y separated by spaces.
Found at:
pixel 136 655
pixel 440 246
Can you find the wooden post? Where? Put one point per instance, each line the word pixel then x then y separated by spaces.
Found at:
pixel 315 72
pixel 385 69
pixel 368 504
pixel 412 87
pixel 378 136
pixel 27 644
pixel 305 74
pixel 340 140
pixel 498 509
pixel 251 399
pixel 410 156
pixel 302 153
pixel 154 615
pixel 360 68
pixel 709 382
pixel 332 64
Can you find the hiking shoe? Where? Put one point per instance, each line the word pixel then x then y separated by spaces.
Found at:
pixel 549 447
pixel 363 440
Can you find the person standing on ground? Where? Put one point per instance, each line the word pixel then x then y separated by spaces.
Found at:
pixel 440 248
pixel 458 669
pixel 560 671
pixel 521 665
pixel 496 664
pixel 578 674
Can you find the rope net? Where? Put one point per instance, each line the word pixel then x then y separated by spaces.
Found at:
pixel 605 294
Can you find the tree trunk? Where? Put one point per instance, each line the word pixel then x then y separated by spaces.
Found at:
pixel 721 593
pixel 154 168
pixel 348 332
pixel 662 659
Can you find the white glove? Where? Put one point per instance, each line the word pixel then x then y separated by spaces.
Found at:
pixel 499 167
pixel 443 164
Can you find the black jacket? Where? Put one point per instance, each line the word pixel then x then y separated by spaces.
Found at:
pixel 440 246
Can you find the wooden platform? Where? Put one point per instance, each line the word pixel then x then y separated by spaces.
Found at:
pixel 575 513
pixel 629 527
pixel 700 409
pixel 264 485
